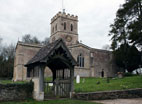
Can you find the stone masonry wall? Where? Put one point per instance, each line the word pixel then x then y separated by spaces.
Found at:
pixel 131 93
pixel 102 61
pixel 24 52
pixel 14 92
pixel 77 50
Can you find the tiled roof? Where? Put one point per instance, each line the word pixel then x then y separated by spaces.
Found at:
pixel 44 53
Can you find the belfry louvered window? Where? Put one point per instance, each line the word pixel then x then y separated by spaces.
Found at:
pixel 64 25
pixel 71 27
pixel 80 60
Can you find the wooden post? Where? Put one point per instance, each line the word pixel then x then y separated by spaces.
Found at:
pixel 71 81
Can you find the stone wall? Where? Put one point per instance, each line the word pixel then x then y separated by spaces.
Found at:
pixel 77 50
pixel 131 93
pixel 102 60
pixel 95 61
pixel 10 92
pixel 24 52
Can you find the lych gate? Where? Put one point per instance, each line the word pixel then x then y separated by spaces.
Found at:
pixel 58 58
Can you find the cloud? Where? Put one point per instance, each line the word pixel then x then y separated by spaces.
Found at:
pixel 19 17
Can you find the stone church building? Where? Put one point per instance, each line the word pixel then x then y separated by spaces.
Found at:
pixel 91 62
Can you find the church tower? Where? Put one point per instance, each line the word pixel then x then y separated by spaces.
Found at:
pixel 64 26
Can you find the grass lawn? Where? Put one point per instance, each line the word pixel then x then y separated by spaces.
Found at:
pixel 90 84
pixel 11 82
pixel 65 101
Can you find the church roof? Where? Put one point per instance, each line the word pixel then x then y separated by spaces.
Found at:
pixel 43 54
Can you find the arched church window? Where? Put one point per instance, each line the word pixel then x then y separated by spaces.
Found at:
pixel 80 60
pixel 71 27
pixel 64 25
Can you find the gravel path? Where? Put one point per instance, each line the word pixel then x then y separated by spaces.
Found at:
pixel 120 101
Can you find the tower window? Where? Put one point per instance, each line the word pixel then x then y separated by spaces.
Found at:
pixel 56 27
pixel 80 60
pixel 64 25
pixel 53 30
pixel 71 27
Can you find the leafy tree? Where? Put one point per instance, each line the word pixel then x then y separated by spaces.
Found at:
pixel 127 57
pixel 35 40
pixel 126 33
pixel 106 47
pixel 7 61
pixel 45 41
pixel 127 27
pixel 0 44
pixel 30 40
pixel 26 38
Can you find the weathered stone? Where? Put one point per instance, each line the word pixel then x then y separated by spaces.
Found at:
pixel 15 91
pixel 131 93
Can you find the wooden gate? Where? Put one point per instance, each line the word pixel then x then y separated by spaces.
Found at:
pixel 61 84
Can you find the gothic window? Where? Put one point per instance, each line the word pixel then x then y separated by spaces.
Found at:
pixel 56 27
pixel 64 25
pixel 53 30
pixel 71 27
pixel 80 60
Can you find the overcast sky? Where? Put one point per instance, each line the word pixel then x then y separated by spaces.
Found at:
pixel 19 17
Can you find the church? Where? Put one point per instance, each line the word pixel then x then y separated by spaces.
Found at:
pixel 91 62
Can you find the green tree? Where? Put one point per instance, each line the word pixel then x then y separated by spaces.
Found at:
pixel 126 33
pixel 127 57
pixel 7 61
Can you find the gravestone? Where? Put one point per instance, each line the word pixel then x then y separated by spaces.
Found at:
pixel 77 79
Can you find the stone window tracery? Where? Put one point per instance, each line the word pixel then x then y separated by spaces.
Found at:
pixel 80 60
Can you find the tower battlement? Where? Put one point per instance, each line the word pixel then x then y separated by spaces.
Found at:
pixel 64 15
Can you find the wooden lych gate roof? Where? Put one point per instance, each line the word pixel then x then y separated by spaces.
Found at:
pixel 53 54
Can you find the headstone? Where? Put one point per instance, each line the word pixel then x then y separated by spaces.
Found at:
pixel 50 84
pixel 77 79
pixel 120 74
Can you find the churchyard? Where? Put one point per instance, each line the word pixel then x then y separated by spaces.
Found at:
pixel 64 101
pixel 101 84
pixel 86 85
pixel 97 84
pixel 106 73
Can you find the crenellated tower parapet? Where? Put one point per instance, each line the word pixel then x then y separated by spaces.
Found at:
pixel 64 26
pixel 64 15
